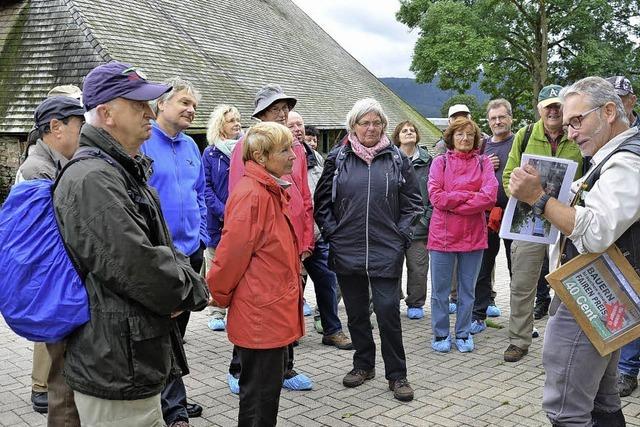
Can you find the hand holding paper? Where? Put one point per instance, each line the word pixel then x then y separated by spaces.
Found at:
pixel 524 184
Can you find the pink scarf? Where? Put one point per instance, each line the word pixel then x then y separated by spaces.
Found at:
pixel 368 153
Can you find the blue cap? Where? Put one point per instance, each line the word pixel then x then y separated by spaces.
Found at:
pixel 57 107
pixel 118 80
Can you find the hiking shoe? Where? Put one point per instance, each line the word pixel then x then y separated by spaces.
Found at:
pixel 535 333
pixel 626 384
pixel 357 377
pixel 401 389
pixel 415 313
pixel 193 410
pixel 493 311
pixel 40 401
pixel 465 345
pixel 453 307
pixel 541 308
pixel 513 353
pixel 306 309
pixel 317 324
pixel 296 381
pixel 234 383
pixel 441 345
pixel 216 324
pixel 339 340
pixel 477 326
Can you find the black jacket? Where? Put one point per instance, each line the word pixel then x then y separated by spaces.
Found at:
pixel 112 225
pixel 421 167
pixel 370 223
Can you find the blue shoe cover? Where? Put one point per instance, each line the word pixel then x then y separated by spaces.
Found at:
pixel 234 384
pixel 465 345
pixel 477 326
pixel 415 313
pixel 298 382
pixel 493 311
pixel 442 346
pixel 216 324
pixel 453 307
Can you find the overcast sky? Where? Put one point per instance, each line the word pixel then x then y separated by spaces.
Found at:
pixel 368 30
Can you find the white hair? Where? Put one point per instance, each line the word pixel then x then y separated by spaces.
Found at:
pixel 363 107
pixel 177 85
pixel 598 92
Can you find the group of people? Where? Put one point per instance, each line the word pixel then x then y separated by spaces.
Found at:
pixel 159 230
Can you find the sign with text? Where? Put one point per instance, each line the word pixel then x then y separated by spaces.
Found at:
pixel 602 291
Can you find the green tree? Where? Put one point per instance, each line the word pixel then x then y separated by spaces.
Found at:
pixel 515 47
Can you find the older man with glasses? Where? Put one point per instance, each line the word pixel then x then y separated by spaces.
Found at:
pixel 547 138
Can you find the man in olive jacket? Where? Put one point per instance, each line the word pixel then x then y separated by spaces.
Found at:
pixel 110 219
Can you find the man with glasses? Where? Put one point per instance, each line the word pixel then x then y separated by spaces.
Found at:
pixel 580 387
pixel 496 147
pixel 547 139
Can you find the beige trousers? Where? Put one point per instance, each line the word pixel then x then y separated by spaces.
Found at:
pixel 209 255
pixel 96 412
pixel 40 368
pixel 526 263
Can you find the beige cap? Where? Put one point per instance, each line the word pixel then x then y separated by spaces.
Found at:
pixel 66 90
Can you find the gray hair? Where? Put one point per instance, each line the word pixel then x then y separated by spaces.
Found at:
pixel 598 92
pixel 177 85
pixel 363 107
pixel 216 121
pixel 497 103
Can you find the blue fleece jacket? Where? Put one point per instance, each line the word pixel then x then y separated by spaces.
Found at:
pixel 179 178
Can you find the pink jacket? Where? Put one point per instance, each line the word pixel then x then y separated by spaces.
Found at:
pixel 462 187
pixel 301 203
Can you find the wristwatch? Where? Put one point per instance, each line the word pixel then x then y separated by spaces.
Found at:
pixel 539 205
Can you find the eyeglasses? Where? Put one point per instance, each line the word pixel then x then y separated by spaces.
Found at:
pixel 498 118
pixel 462 135
pixel 377 124
pixel 278 110
pixel 576 121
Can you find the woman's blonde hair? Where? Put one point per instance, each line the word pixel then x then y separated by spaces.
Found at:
pixel 265 138
pixel 216 121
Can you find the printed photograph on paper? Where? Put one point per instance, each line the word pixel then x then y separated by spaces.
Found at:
pixel 519 222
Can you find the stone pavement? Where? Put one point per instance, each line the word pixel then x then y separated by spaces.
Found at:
pixel 455 389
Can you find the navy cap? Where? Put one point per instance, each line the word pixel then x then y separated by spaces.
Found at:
pixel 118 80
pixel 57 107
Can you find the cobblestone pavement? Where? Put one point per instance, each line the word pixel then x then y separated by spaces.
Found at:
pixel 454 389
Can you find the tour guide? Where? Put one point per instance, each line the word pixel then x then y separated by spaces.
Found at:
pixel 580 387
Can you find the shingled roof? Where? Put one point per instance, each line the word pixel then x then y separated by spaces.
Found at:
pixel 227 48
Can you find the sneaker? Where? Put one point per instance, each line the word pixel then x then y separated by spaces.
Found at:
pixel 626 384
pixel 317 324
pixel 535 333
pixel 541 308
pixel 40 401
pixel 296 381
pixel 306 309
pixel 415 313
pixel 465 345
pixel 216 324
pixel 513 353
pixel 493 311
pixel 442 345
pixel 339 340
pixel 234 383
pixel 357 377
pixel 453 307
pixel 401 389
pixel 477 326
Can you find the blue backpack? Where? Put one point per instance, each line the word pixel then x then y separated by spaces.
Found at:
pixel 42 292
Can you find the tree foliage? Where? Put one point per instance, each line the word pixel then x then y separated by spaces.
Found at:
pixel 515 47
pixel 477 113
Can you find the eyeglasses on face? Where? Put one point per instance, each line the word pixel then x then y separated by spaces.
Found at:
pixel 462 135
pixel 495 119
pixel 376 124
pixel 576 121
pixel 278 110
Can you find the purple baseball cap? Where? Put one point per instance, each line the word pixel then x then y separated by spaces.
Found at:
pixel 118 80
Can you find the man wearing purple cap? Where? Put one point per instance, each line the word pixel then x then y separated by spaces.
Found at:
pixel 111 223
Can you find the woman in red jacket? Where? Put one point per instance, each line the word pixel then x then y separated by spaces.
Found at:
pixel 462 186
pixel 256 272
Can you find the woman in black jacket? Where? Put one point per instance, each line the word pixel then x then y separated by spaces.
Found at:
pixel 366 203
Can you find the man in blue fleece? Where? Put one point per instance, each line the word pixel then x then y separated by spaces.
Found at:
pixel 179 178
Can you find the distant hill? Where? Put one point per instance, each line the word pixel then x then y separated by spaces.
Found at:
pixel 427 98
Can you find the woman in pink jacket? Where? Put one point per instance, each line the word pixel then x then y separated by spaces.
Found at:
pixel 462 186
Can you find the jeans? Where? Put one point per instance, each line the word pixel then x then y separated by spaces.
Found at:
pixel 325 284
pixel 386 305
pixel 174 396
pixel 483 295
pixel 260 385
pixel 630 358
pixel 442 266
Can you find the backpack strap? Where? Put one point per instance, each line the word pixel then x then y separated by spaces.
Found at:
pixel 525 140
pixel 340 158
